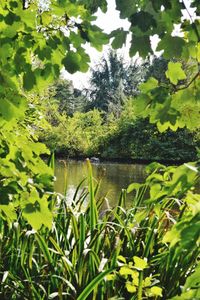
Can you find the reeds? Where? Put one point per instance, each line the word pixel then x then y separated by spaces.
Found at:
pixel 146 251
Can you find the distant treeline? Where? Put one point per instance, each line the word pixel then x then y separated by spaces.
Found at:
pixel 101 120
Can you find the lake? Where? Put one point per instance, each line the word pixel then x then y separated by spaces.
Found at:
pixel 115 176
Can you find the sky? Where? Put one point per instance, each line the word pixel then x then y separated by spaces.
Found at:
pixel 109 22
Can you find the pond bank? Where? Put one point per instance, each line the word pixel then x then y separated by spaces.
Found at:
pixel 121 160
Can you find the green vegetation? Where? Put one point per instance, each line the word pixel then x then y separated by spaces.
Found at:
pixel 146 251
pixel 90 134
pixel 51 248
pixel 101 119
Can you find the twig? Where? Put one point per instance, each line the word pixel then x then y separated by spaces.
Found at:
pixel 193 23
pixel 24 4
pixel 189 83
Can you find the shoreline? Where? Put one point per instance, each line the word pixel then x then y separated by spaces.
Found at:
pixel 121 160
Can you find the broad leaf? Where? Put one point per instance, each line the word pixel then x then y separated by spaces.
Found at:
pixel 175 72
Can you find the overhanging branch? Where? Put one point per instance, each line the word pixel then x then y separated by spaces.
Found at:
pixel 189 83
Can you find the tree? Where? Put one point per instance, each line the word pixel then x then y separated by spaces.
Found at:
pixel 113 80
pixel 106 80
pixel 68 98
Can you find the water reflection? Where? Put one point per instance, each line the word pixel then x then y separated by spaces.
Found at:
pixel 115 177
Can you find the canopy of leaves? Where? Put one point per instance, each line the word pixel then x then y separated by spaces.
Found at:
pixel 68 99
pixel 112 80
pixel 150 18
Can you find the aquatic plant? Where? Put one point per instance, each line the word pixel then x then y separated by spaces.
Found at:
pixel 147 251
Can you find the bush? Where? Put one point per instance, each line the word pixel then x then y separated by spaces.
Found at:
pixel 96 134
pixel 79 135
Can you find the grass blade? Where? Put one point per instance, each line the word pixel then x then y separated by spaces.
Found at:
pixel 92 202
pixel 93 284
pixel 51 161
pixel 44 248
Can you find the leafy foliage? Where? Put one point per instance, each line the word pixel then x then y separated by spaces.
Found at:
pixel 112 80
pixel 68 99
pixel 78 136
pixel 151 18
pixel 175 72
pixel 106 84
pixel 95 134
pixel 36 41
pixel 145 143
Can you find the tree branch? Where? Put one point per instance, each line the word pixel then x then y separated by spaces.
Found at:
pixel 189 83
pixel 193 23
pixel 24 4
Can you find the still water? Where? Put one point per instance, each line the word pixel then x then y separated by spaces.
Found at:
pixel 115 177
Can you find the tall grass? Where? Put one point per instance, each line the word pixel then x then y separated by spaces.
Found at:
pixel 147 251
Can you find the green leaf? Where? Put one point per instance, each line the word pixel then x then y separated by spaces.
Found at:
pixel 13 4
pixel 193 281
pixel 72 62
pixel 74 10
pixel 14 109
pixel 149 85
pixel 155 291
pixel 46 18
pixel 133 186
pixel 172 46
pixel 144 20
pixel 43 53
pixel 140 263
pixel 155 191
pixel 11 30
pixel 28 16
pixel 130 287
pixel 198 52
pixel 119 38
pixel 110 277
pixel 175 72
pixel 92 285
pixel 140 44
pixel 10 18
pixel 192 294
pixel 37 213
pixel 85 59
pixel 97 37
pixel 140 216
pixel 44 247
pixel 172 237
pixel 157 4
pixel 92 200
pixel 6 51
pixel 125 270
pixel 9 211
pixel 29 80
pixel 121 258
pixel 126 8
pixel 147 281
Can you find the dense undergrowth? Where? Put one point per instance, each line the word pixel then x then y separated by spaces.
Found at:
pixel 125 137
pixel 149 251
